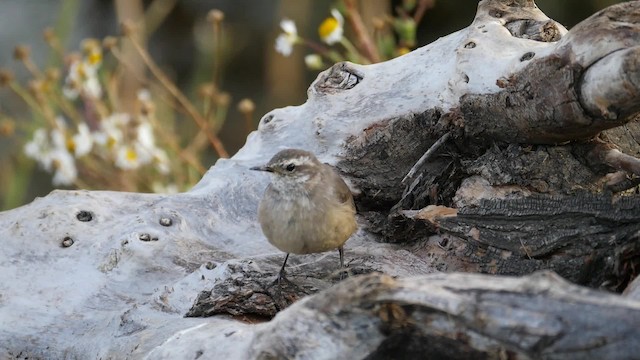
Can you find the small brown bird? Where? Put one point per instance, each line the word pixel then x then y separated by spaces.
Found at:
pixel 307 208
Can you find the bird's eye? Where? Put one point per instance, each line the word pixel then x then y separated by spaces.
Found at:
pixel 291 167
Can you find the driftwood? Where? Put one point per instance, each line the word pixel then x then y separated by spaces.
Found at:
pixel 456 316
pixel 520 155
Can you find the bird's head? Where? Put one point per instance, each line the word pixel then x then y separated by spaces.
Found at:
pixel 292 165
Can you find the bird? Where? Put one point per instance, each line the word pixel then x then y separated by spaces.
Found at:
pixel 307 207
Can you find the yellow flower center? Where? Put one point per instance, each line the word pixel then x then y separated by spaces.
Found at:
pixel 403 50
pixel 71 145
pixel 328 26
pixel 131 155
pixel 45 87
pixel 81 71
pixel 111 142
pixel 94 58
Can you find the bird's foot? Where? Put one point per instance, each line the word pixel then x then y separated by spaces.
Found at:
pixel 281 279
pixel 344 273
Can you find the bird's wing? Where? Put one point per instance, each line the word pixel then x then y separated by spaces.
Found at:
pixel 341 192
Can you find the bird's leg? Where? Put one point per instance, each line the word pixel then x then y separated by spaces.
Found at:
pixel 281 273
pixel 341 251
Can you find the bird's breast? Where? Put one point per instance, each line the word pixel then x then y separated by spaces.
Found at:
pixel 299 224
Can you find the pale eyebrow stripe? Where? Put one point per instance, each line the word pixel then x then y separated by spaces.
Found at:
pixel 298 161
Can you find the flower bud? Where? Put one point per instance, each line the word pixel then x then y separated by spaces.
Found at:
pixel 21 52
pixel 215 16
pixel 246 106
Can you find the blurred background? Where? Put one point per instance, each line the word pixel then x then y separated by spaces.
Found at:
pixel 145 95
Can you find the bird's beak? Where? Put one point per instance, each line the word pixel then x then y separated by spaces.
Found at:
pixel 261 168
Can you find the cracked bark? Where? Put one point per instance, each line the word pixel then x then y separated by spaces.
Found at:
pixel 540 134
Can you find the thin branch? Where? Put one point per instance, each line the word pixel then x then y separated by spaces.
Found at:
pixel 182 99
pixel 364 40
pixel 173 144
pixel 426 156
pixel 156 13
pixel 423 6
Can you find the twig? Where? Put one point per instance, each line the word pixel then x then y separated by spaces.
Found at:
pixel 423 6
pixel 426 156
pixel 156 13
pixel 217 52
pixel 31 102
pixel 32 68
pixel 189 158
pixel 323 51
pixel 364 40
pixel 182 99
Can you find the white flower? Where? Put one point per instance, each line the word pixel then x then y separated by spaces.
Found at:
pixel 162 161
pixel 92 87
pixel 145 135
pixel 127 158
pixel 314 62
pixel 82 141
pixel 148 151
pixel 286 40
pixel 111 131
pixel 51 153
pixel 38 145
pixel 64 166
pixel 58 140
pixel 71 89
pixel 82 78
pixel 332 28
pixel 145 143
pixel 132 156
pixel 289 27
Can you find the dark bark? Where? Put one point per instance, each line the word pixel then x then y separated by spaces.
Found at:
pixel 547 199
pixel 593 240
pixel 456 316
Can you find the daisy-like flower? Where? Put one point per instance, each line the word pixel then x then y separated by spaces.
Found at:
pixel 289 37
pixel 127 158
pixel 92 52
pixel 39 148
pixel 142 151
pixel 111 132
pixel 59 135
pixel 64 165
pixel 145 142
pixel 161 160
pixel 145 135
pixel 82 79
pixel 148 150
pixel 332 28
pixel 83 73
pixel 82 141
pixel 51 153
